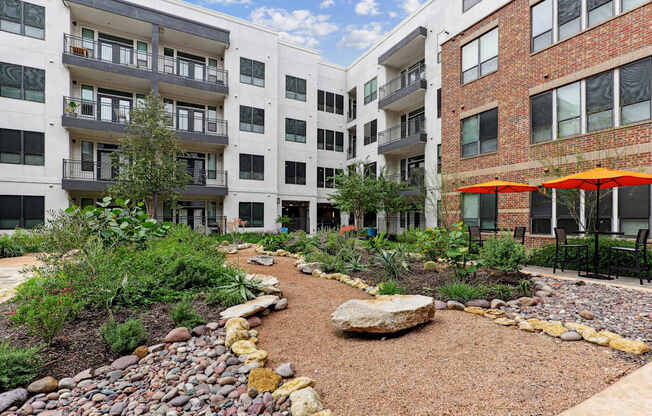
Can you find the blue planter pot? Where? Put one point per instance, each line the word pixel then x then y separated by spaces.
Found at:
pixel 371 232
pixel 284 230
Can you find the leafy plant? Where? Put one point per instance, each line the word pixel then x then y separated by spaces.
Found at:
pixel 283 220
pixel 273 242
pixel 525 288
pixel 10 247
pixel 45 316
pixel 461 292
pixel 182 314
pixel 238 289
pixel 390 287
pixel 392 263
pixel 501 291
pixel 125 337
pixel 18 366
pixel 457 251
pixel 380 241
pixel 328 263
pixel 503 253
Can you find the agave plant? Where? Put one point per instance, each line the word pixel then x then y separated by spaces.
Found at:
pixel 392 262
pixel 239 287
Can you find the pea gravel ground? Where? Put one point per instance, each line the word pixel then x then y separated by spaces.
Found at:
pixel 459 364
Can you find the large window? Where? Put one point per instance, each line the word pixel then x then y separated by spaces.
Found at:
pixel 635 91
pixel 22 83
pixel 330 140
pixel 252 119
pixel 370 91
pixel 479 210
pixel 540 213
pixel 467 4
pixel 252 72
pixel 326 177
pixel 295 173
pixel 295 130
pixel 634 208
pixel 22 147
pixel 568 17
pixel 370 132
pixel 567 205
pixel 22 18
pixel 252 167
pixel 542 25
pixel 599 11
pixel 600 101
pixel 568 110
pixel 253 213
pixel 480 133
pixel 21 211
pixel 295 88
pixel 630 4
pixel 541 116
pixel 371 170
pixel 480 56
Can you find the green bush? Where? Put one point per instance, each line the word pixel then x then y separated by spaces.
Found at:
pixel 328 263
pixel 273 242
pixel 503 253
pixel 392 262
pixel 45 316
pixel 10 247
pixel 125 337
pixel 462 292
pixel 500 291
pixel 240 237
pixel 390 287
pixel 234 291
pixel 182 314
pixel 18 366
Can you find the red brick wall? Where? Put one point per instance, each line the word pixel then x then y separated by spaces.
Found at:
pixel 519 70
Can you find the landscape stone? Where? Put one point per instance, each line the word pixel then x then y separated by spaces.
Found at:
pixel 124 362
pixel 43 385
pixel 268 284
pixel 264 380
pixel 480 303
pixel 243 347
pixel 140 352
pixel 305 402
pixel 588 315
pixel 554 329
pixel 308 268
pixel 281 304
pixel 178 335
pixel 250 307
pixel 236 329
pixel 292 385
pixel 384 314
pixel 285 370
pixel 263 260
pixel 439 305
pixel 570 336
pixel 67 383
pixel 455 305
pixel 84 375
pixel 629 345
pixel 12 398
pixel 497 303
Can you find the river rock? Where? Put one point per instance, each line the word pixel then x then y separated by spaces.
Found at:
pixel 124 362
pixel 385 314
pixel 263 260
pixel 281 304
pixel 178 335
pixel 292 385
pixel 480 303
pixel 44 385
pixel 249 308
pixel 12 398
pixel 308 268
pixel 455 305
pixel 570 336
pixel 305 402
pixel 285 370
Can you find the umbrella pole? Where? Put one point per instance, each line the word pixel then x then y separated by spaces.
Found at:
pixel 496 212
pixel 596 226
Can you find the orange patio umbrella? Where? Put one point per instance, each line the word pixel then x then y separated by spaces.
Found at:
pixel 594 180
pixel 497 187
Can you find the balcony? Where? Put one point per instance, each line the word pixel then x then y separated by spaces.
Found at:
pixel 409 49
pixel 414 183
pixel 405 138
pixel 96 177
pixel 191 74
pixel 84 116
pixel 352 113
pixel 405 91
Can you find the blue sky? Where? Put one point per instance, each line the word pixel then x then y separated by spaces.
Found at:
pixel 340 29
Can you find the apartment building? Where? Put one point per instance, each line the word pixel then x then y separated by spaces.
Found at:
pixel 544 84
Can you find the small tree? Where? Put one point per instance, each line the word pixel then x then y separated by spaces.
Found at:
pixel 390 196
pixel 356 193
pixel 146 162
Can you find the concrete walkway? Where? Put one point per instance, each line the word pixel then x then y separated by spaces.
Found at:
pixel 627 282
pixel 11 274
pixel 630 396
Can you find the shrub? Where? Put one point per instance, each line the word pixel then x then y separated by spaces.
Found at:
pixel 503 253
pixel 392 262
pixel 233 292
pixel 125 337
pixel 240 237
pixel 501 291
pixel 525 288
pixel 461 292
pixel 10 247
pixel 183 314
pixel 45 316
pixel 273 242
pixel 410 236
pixel 18 366
pixel 390 287
pixel 328 263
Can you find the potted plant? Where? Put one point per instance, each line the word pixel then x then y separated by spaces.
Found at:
pixel 284 221
pixel 72 108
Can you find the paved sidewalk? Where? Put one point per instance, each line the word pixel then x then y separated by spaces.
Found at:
pixel 629 396
pixel 628 282
pixel 11 274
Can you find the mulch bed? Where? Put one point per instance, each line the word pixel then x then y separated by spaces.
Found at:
pixel 78 345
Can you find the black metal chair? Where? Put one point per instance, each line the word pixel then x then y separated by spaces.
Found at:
pixel 579 253
pixel 519 235
pixel 639 251
pixel 475 237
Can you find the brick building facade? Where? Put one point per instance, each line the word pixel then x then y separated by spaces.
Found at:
pixel 571 89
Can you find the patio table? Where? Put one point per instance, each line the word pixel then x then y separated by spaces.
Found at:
pixel 597 234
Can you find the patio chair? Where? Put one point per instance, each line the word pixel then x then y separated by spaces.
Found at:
pixel 639 251
pixel 475 237
pixel 579 253
pixel 519 235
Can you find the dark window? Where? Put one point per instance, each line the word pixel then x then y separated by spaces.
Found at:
pixel 252 167
pixel 295 88
pixel 329 177
pixel 253 213
pixel 320 100
pixel 295 130
pixel 540 213
pixel 87 164
pixel 633 208
pixel 370 170
pixel 439 158
pixel 22 18
pixel 252 72
pixel 635 80
pixel 339 104
pixel 467 4
pixel 439 103
pixel 370 132
pixel 480 56
pixel 479 210
pixel 330 102
pixel 320 177
pixel 568 202
pixel 541 115
pixel 320 139
pixel 22 147
pixel 370 91
pixel 369 220
pixel 599 10
pixel 480 133
pixel 21 211
pixel 339 141
pixel 22 82
pixel 541 25
pixel 252 119
pixel 568 17
pixel 295 173
pixel 330 140
pixel 606 201
pixel 600 101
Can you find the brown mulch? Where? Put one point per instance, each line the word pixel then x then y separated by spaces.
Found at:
pixel 459 364
pixel 78 345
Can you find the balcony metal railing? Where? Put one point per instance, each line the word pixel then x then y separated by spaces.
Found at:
pixel 198 222
pixel 192 70
pixel 110 113
pixel 107 52
pixel 416 125
pixel 404 80
pixel 414 179
pixel 105 172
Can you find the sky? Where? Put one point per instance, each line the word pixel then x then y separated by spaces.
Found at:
pixel 340 29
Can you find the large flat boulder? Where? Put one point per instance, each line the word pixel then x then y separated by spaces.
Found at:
pixel 268 284
pixel 263 260
pixel 384 314
pixel 249 308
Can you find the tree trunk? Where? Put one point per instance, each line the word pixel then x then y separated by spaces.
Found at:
pixel 387 222
pixel 154 204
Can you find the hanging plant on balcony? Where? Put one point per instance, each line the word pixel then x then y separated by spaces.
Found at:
pixel 72 109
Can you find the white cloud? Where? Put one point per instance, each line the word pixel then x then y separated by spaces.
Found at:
pixel 297 26
pixel 361 37
pixel 392 14
pixel 367 7
pixel 325 4
pixel 410 6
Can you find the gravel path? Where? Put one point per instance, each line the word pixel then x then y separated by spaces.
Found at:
pixel 459 364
